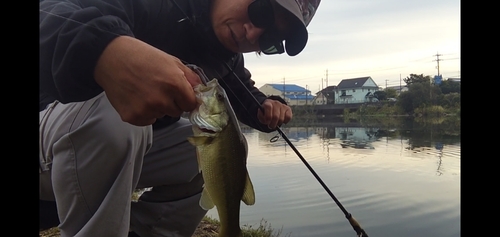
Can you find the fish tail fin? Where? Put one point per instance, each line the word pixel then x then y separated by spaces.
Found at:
pixel 205 201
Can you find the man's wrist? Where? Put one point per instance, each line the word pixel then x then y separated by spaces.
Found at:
pixel 278 98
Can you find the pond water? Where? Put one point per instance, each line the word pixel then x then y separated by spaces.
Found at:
pixel 400 179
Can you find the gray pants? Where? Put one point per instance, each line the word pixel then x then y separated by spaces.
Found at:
pixel 91 162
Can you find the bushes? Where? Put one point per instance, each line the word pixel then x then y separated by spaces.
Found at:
pixel 433 110
pixel 386 109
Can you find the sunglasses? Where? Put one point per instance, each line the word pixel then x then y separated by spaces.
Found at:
pixel 261 15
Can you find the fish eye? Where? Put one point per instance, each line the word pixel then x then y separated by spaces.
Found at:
pixel 220 97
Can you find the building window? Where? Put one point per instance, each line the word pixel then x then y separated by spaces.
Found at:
pixel 353 90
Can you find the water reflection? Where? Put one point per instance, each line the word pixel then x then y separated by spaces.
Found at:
pixel 296 135
pixel 417 133
pixel 408 173
pixel 357 137
pixel 440 160
pixel 421 139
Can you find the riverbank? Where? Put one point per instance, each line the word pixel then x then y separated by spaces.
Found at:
pixel 208 227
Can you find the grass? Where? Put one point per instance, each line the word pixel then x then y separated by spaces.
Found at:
pixel 208 227
pixel 263 230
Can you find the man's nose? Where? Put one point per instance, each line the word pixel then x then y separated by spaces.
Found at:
pixel 253 33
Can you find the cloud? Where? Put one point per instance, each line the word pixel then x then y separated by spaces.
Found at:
pixel 381 39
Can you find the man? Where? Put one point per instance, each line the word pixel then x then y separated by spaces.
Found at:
pixel 113 85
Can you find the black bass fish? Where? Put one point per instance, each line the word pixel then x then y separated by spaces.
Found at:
pixel 222 153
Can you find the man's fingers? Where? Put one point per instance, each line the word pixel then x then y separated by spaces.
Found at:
pixel 191 76
pixel 275 113
pixel 264 115
pixel 185 98
pixel 271 114
pixel 288 115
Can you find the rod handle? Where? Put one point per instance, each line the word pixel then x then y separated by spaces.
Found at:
pixel 355 225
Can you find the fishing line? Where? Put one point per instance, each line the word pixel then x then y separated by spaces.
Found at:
pixel 357 228
pixel 359 231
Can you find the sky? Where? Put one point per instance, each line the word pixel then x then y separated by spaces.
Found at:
pixel 385 39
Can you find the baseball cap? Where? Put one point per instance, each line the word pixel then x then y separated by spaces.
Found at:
pixel 303 10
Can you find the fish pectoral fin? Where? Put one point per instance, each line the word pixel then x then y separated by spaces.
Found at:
pixel 248 194
pixel 205 201
pixel 200 140
pixel 199 160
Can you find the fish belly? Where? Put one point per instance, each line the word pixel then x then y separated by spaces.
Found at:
pixel 223 165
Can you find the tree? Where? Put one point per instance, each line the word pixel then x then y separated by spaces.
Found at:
pixel 380 95
pixel 391 92
pixel 450 87
pixel 405 102
pixel 450 100
pixel 418 95
pixel 415 78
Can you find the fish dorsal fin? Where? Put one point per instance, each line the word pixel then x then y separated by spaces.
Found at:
pixel 248 194
pixel 205 201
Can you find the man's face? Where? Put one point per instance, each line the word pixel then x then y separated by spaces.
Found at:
pixel 235 30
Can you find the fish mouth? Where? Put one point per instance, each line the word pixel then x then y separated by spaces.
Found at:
pixel 202 124
pixel 206 130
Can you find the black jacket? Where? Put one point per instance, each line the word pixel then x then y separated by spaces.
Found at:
pixel 73 34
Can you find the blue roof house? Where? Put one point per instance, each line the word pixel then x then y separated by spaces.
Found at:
pixel 291 93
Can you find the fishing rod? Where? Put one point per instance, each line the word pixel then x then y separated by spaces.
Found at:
pixel 355 225
pixel 359 231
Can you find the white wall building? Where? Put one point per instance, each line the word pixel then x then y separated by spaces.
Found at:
pixel 356 90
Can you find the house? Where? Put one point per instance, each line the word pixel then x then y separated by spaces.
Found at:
pixel 325 96
pixel 356 137
pixel 398 89
pixel 356 90
pixel 291 93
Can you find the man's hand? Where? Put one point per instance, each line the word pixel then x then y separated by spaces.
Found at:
pixel 275 113
pixel 144 83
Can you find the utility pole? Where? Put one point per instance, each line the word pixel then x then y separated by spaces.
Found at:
pixel 321 93
pixel 326 77
pixel 306 95
pixel 437 60
pixel 430 83
pixel 284 98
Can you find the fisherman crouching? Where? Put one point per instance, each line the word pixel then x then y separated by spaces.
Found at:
pixel 113 83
